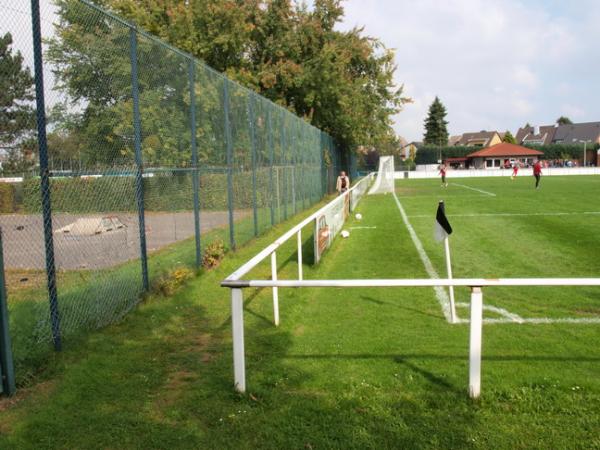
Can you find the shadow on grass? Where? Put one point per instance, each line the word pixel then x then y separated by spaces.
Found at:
pixel 397 305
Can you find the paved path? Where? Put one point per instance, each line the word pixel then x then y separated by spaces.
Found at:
pixel 23 238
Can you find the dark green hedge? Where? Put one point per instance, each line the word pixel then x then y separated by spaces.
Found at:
pixel 162 192
pixel 563 151
pixel 7 198
pixel 430 154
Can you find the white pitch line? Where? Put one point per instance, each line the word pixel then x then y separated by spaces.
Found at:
pixel 514 318
pixel 441 294
pixel 491 194
pixel 591 213
pixel 506 315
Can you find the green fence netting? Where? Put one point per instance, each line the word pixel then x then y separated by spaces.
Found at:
pixel 215 161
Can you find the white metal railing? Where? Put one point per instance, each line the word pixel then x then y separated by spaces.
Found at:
pixel 476 306
pixel 237 284
pixel 297 230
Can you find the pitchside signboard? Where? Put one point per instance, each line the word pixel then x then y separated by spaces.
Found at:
pixel 329 224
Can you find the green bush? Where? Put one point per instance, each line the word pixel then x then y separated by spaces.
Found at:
pixel 7 198
pixel 563 151
pixel 429 154
pixel 166 192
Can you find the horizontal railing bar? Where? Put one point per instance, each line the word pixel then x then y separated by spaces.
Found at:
pixel 252 263
pixel 424 282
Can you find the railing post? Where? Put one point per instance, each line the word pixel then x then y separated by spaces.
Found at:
pixel 45 174
pixel 475 342
pixel 139 181
pixel 271 162
pixel 229 145
pixel 237 327
pixel 300 254
pixel 6 356
pixel 195 175
pixel 275 289
pixel 252 124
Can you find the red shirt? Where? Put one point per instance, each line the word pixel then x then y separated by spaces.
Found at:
pixel 443 172
pixel 537 169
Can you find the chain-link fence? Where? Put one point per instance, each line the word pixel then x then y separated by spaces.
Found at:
pixel 149 157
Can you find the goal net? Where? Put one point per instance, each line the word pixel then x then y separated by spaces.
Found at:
pixel 385 176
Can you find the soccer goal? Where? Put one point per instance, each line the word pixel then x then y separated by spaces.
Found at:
pixel 384 182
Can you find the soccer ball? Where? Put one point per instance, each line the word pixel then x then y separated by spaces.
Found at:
pixel 345 233
pixel 358 216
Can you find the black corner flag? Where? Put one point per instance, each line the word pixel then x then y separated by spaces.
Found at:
pixel 442 226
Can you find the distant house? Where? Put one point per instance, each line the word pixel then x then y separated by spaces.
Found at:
pixel 560 134
pixel 480 139
pixel 502 155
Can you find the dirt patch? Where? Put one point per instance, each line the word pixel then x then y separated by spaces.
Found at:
pixel 40 391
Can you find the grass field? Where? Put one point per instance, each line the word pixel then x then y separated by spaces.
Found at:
pixel 366 368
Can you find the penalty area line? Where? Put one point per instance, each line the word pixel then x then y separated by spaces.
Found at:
pixel 491 194
pixel 508 317
pixel 589 213
pixel 440 293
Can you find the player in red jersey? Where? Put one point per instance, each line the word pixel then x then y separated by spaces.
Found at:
pixel 443 174
pixel 515 170
pixel 537 173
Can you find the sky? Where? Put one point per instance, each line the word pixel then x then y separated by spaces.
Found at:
pixel 495 64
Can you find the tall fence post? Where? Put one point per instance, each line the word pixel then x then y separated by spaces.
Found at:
pixel 195 175
pixel 6 356
pixel 229 145
pixel 45 173
pixel 271 162
pixel 252 125
pixel 139 179
pixel 292 139
pixel 282 139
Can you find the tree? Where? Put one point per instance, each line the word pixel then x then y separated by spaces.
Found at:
pixel 436 132
pixel 341 82
pixel 563 120
pixel 508 137
pixel 17 116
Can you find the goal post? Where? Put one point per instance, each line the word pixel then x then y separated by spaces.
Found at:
pixel 384 182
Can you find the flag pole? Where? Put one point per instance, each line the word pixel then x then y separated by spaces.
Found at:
pixel 450 288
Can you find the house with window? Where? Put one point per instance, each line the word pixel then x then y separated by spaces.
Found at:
pixel 503 155
pixel 575 133
pixel 480 139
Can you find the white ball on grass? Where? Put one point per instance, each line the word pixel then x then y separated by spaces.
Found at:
pixel 358 216
pixel 345 233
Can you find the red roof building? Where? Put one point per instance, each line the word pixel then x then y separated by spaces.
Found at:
pixel 503 155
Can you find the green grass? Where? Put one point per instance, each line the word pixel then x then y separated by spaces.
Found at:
pixel 367 368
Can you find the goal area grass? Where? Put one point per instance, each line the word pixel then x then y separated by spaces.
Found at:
pixel 356 368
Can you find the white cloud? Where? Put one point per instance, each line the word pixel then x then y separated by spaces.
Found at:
pixel 494 63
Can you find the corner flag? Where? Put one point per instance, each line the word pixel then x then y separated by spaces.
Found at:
pixel 442 226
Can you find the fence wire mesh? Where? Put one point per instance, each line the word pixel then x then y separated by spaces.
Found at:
pixel 149 151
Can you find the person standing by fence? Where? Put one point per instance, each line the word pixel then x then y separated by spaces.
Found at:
pixel 343 183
